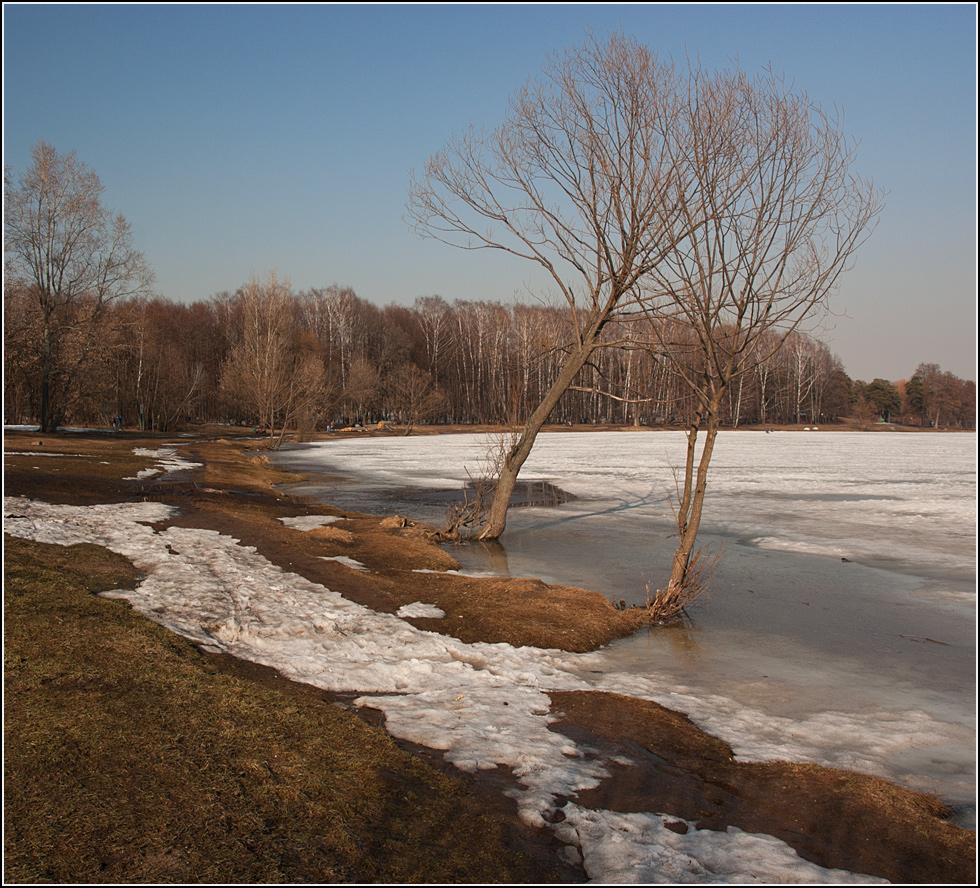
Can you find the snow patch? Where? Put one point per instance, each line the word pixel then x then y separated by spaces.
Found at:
pixel 456 573
pixel 420 609
pixel 642 849
pixel 309 522
pixel 167 461
pixel 345 560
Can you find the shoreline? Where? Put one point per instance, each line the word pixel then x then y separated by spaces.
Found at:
pixel 794 635
pixel 553 428
pixel 218 503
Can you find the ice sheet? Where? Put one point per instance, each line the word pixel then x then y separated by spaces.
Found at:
pixel 844 607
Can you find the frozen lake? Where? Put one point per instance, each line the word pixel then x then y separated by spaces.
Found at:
pixel 842 619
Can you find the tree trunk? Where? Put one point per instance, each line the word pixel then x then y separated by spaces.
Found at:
pixel 692 498
pixel 45 411
pixel 518 454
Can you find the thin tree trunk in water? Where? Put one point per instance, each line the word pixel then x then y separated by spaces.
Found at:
pixel 692 499
pixel 518 454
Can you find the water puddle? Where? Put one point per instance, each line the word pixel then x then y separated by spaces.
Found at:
pixel 526 493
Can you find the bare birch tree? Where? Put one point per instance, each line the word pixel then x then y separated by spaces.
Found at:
pixel 73 256
pixel 583 180
pixel 772 220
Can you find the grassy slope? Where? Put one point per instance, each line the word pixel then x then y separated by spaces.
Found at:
pixel 129 757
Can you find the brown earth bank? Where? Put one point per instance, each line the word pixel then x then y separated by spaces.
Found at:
pixel 837 819
pixel 834 818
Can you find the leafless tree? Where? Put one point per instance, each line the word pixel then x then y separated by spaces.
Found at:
pixel 157 340
pixel 434 318
pixel 273 371
pixel 945 399
pixel 413 396
pixel 800 359
pixel 72 256
pixel 772 220
pixel 582 179
pixel 361 389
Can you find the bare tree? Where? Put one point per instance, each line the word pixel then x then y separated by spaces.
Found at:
pixel 943 398
pixel 73 256
pixel 157 340
pixel 772 220
pixel 272 371
pixel 434 319
pixel 361 389
pixel 413 396
pixel 582 179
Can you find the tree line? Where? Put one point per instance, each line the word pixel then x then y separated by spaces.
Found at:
pixel 332 358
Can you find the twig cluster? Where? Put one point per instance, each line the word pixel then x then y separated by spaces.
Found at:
pixel 465 519
pixel 671 603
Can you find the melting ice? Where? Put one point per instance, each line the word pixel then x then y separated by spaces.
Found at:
pixel 451 696
pixel 842 620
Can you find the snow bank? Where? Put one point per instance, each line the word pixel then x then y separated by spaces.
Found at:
pixel 420 609
pixel 346 560
pixel 309 522
pixel 167 461
pixel 641 849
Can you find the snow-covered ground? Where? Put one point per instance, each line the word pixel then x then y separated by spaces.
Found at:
pixel 487 705
pixel 167 462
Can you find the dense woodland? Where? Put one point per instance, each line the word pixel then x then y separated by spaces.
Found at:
pixel 268 356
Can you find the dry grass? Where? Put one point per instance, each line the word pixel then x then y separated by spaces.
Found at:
pixel 516 611
pixel 331 534
pixel 129 757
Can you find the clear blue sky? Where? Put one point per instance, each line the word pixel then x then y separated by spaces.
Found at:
pixel 242 138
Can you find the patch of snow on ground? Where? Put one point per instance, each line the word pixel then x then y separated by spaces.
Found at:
pixel 641 849
pixel 420 609
pixel 167 461
pixel 486 705
pixel 37 428
pixel 43 453
pixel 346 560
pixel 309 522
pixel 456 573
